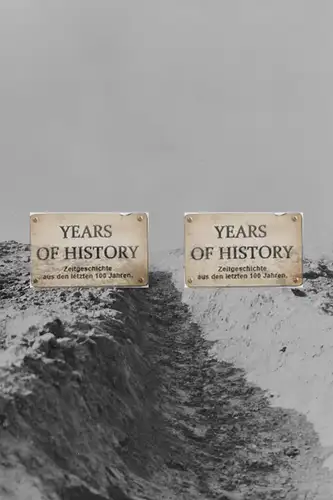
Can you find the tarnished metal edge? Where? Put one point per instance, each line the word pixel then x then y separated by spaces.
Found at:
pixel 186 214
pixel 92 213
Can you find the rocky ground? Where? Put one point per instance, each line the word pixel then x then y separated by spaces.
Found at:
pixel 116 395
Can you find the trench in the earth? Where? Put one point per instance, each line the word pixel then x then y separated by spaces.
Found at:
pixel 226 435
pixel 153 416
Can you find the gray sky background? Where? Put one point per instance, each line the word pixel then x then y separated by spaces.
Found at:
pixel 167 106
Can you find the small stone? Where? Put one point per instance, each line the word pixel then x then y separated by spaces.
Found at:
pixel 93 298
pixel 298 293
pixel 291 451
pixel 3 421
pixel 65 342
pixel 45 342
pixel 77 376
pixel 56 327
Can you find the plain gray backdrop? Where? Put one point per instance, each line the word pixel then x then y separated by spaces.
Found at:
pixel 167 106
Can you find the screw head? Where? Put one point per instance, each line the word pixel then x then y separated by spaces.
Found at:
pixel 294 218
pixel 189 219
pixel 34 219
pixel 189 281
pixel 140 218
pixel 35 280
pixel 296 280
pixel 141 280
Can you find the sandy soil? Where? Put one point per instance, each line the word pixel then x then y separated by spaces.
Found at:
pixel 282 339
pixel 119 395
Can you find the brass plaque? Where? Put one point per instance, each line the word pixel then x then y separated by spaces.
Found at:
pixel 89 250
pixel 243 249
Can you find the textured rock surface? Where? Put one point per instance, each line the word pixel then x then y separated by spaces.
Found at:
pixel 116 395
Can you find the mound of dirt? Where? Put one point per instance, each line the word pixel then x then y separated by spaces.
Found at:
pixel 115 395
